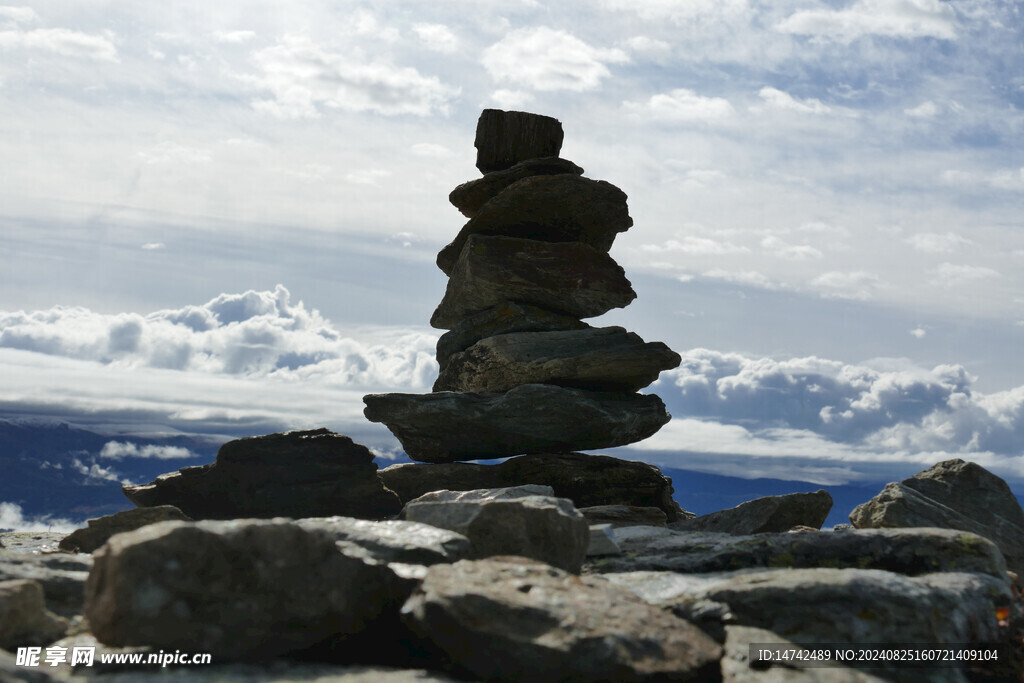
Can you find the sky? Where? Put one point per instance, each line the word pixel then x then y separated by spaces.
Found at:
pixel 222 218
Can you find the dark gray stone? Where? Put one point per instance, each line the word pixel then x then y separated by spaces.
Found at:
pixel 511 619
pixel 312 473
pixel 765 515
pixel 564 277
pixel 99 530
pixel 532 418
pixel 625 515
pixel 504 138
pixel 469 197
pixel 953 494
pixel 549 208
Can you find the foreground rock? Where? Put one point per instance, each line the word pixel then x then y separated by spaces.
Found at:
pixel 24 619
pixel 511 619
pixel 952 494
pixel 469 197
pixel 586 480
pixel 245 589
pixel 905 551
pixel 600 359
pixel 62 577
pixel 531 418
pixel 99 530
pixel 765 515
pixel 524 520
pixel 565 277
pixel 552 208
pixel 504 138
pixel 296 474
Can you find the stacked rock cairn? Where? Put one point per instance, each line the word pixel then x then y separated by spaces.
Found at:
pixel 520 372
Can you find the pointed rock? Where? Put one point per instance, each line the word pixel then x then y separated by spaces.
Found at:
pixel 469 197
pixel 531 418
pixel 601 359
pixel 551 208
pixel 504 138
pixel 765 515
pixel 565 277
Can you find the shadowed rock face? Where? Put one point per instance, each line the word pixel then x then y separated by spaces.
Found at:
pixel 532 418
pixel 296 474
pixel 99 530
pixel 471 196
pixel 765 515
pixel 504 138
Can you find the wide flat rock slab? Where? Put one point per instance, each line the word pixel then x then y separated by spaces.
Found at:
pixel 551 208
pixel 953 494
pixel 314 473
pixel 504 138
pixel 906 551
pixel 501 319
pixel 586 480
pixel 569 278
pixel 597 358
pixel 469 197
pixel 765 515
pixel 531 418
pixel 512 619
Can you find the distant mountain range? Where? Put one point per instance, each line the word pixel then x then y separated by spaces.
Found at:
pixel 58 471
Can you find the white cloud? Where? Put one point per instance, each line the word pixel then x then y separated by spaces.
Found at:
pixel 681 106
pixel 919 333
pixel 62 41
pixel 847 284
pixel 303 77
pixel 792 252
pixel 648 47
pixel 892 18
pixel 684 11
pixel 430 149
pixel 690 244
pixel 955 275
pixel 437 37
pixel 924 110
pixel 546 59
pixel 751 278
pixel 94 473
pixel 936 243
pixel 21 15
pixel 119 450
pixel 173 153
pixel 511 99
pixel 370 176
pixel 234 37
pixel 12 517
pixel 777 99
pixel 153 246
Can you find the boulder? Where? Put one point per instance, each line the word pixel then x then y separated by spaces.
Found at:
pixel 570 278
pixel 395 540
pixel 905 551
pixel 469 197
pixel 765 515
pixel 99 530
pixel 532 418
pixel 624 515
pixel 504 138
pixel 501 319
pixel 62 577
pixel 314 473
pixel 550 208
pixel 511 619
pixel 598 358
pixel 586 480
pixel 240 590
pixel 24 619
pixel 952 494
pixel 523 520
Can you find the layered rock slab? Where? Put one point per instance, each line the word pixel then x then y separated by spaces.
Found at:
pixel 765 515
pixel 601 359
pixel 504 138
pixel 511 619
pixel 531 418
pixel 550 208
pixel 469 197
pixel 952 494
pixel 314 473
pixel 569 278
pixel 586 480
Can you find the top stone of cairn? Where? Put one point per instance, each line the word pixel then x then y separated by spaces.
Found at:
pixel 504 138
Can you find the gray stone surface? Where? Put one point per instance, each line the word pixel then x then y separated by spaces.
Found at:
pixel 469 197
pixel 532 418
pixel 625 515
pixel 97 531
pixel 905 551
pixel 24 619
pixel 736 662
pixel 395 540
pixel 953 494
pixel 602 541
pixel 587 480
pixel 564 277
pixel 507 619
pixel 597 358
pixel 765 515
pixel 313 473
pixel 61 575
pixel 526 521
pixel 551 208
pixel 504 138
pixel 241 590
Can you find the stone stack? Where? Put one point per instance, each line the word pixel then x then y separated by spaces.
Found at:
pixel 520 372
